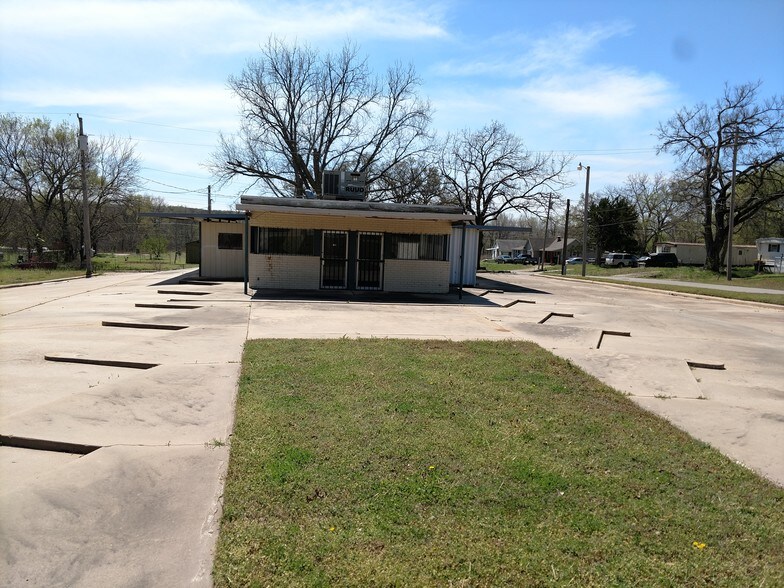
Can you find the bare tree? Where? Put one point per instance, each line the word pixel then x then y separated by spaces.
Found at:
pixel 704 137
pixel 113 177
pixel 489 172
pixel 658 210
pixel 304 113
pixel 40 171
pixel 410 181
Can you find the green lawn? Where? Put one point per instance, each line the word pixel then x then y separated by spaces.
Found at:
pixel 429 463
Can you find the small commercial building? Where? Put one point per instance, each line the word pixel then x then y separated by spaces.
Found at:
pixel 314 244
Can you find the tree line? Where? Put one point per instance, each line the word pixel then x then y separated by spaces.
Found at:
pixel 41 196
pixel 304 112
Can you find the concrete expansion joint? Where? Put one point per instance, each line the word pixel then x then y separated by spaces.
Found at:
pixel 185 292
pixel 563 314
pixel 47 445
pixel 486 292
pixel 170 306
pixel 134 365
pixel 211 301
pixel 612 333
pixel 519 301
pixel 55 446
pixel 128 325
pixel 704 365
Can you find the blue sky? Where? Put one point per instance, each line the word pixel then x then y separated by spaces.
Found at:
pixel 592 79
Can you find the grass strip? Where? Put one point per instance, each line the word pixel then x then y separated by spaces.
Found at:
pixel 421 463
pixel 726 294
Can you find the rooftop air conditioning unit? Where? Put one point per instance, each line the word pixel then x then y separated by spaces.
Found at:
pixel 343 185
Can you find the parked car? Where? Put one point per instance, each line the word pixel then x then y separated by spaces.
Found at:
pixel 503 259
pixel 574 261
pixel 661 260
pixel 620 260
pixel 525 259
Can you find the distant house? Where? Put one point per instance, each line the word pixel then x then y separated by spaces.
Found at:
pixel 511 247
pixel 694 253
pixel 770 253
pixel 553 252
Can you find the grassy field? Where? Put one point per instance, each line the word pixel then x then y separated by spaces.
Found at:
pixel 431 463
pixel 743 276
pixel 103 262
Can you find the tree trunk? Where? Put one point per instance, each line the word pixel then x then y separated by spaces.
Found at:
pixel 714 245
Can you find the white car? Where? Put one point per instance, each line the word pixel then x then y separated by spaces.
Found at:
pixel 620 260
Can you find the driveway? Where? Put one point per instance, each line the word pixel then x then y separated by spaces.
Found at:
pixel 119 401
pixel 117 396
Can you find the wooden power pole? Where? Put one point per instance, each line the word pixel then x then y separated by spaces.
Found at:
pixel 87 241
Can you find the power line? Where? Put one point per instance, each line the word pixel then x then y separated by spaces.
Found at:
pixel 163 171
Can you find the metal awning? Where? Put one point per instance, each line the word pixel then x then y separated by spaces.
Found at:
pixel 198 216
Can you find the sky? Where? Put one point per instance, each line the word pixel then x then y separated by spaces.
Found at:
pixel 589 79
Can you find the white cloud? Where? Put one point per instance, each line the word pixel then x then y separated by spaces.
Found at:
pixel 211 26
pixel 602 92
pixel 199 105
pixel 555 75
pixel 517 55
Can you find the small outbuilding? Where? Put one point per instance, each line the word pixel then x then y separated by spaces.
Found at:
pixel 770 254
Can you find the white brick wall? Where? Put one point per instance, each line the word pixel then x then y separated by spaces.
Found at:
pixel 296 272
pixel 304 272
pixel 416 275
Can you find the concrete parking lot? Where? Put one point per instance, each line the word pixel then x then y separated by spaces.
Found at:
pixel 117 396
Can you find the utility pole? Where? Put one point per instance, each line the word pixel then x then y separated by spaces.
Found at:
pixel 209 198
pixel 732 204
pixel 585 213
pixel 87 241
pixel 566 239
pixel 546 227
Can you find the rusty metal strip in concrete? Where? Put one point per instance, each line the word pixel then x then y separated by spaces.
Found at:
pixel 519 301
pixel 193 282
pixel 490 292
pixel 143 326
pixel 47 445
pixel 552 314
pixel 176 306
pixel 615 333
pixel 133 365
pixel 705 366
pixel 184 292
